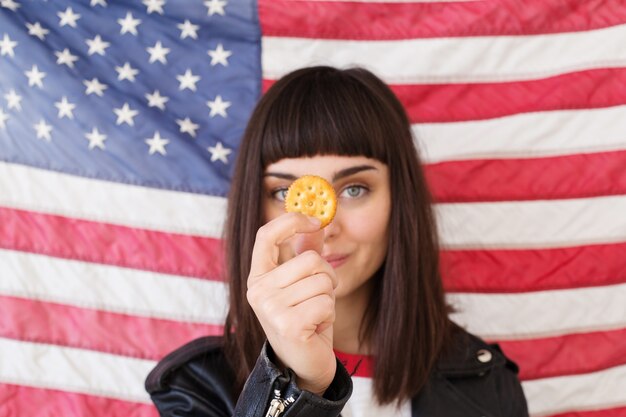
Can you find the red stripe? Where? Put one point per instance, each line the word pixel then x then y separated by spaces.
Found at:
pixel 110 244
pixel 439 103
pixel 541 358
pixel 476 101
pixel 533 269
pixel 610 412
pixel 567 355
pixel 120 334
pixel 548 178
pixel 490 270
pixel 16 400
pixel 387 21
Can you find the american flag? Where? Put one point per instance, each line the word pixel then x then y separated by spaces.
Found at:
pixel 119 124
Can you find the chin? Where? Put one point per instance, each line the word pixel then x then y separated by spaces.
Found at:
pixel 345 289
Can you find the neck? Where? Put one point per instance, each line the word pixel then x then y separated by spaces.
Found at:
pixel 349 316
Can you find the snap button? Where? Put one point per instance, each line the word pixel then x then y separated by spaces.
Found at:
pixel 484 356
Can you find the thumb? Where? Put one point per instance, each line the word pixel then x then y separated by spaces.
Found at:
pixel 309 241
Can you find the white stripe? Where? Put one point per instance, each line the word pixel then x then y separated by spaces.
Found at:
pixel 103 374
pixel 111 288
pixel 494 224
pixel 526 135
pixel 149 294
pixel 528 224
pixel 541 313
pixel 74 370
pixel 52 192
pixel 447 60
pixel 597 390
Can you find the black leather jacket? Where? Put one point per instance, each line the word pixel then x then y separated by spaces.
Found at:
pixel 473 379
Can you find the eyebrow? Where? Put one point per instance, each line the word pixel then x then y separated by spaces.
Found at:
pixel 336 176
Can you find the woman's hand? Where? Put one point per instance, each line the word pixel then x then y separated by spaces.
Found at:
pixel 295 301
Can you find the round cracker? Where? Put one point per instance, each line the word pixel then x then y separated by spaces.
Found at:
pixel 313 196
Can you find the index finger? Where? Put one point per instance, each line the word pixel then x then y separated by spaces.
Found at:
pixel 272 234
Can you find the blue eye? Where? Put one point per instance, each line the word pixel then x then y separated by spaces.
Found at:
pixel 354 191
pixel 280 194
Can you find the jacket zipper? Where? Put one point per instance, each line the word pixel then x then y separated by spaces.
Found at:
pixel 278 405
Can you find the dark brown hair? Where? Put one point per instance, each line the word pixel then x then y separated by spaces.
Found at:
pixel 328 111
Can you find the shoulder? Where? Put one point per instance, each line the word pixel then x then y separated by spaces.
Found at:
pixel 482 374
pixel 466 354
pixel 203 356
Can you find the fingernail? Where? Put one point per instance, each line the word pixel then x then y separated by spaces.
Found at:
pixel 317 222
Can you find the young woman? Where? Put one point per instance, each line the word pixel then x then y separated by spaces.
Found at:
pixel 305 301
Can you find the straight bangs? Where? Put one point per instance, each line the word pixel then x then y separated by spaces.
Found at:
pixel 323 113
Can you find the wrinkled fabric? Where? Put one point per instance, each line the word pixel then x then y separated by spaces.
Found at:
pixel 195 381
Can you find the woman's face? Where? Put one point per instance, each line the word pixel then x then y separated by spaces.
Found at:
pixel 358 234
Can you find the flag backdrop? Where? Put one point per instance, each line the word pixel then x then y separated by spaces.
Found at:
pixel 119 125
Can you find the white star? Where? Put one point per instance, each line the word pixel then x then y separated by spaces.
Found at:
pixel 188 80
pixel 219 55
pixel 65 108
pixel 35 77
pixel 68 17
pixel 37 30
pixel 158 53
pixel 215 6
pixel 126 72
pixel 157 144
pixel 125 115
pixel 95 3
pixel 10 4
pixel 218 106
pixel 7 45
pixel 188 29
pixel 66 58
pixel 96 139
pixel 97 45
pixel 187 126
pixel 3 118
pixel 43 130
pixel 219 152
pixel 129 24
pixel 13 100
pixel 95 86
pixel 154 6
pixel 156 100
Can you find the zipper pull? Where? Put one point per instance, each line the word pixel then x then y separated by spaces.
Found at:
pixel 278 405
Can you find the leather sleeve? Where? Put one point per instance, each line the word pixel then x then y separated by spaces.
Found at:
pixel 266 377
pixel 200 388
pixel 194 380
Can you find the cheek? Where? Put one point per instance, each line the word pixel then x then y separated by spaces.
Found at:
pixel 368 228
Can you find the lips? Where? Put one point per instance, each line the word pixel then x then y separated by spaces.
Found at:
pixel 335 260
